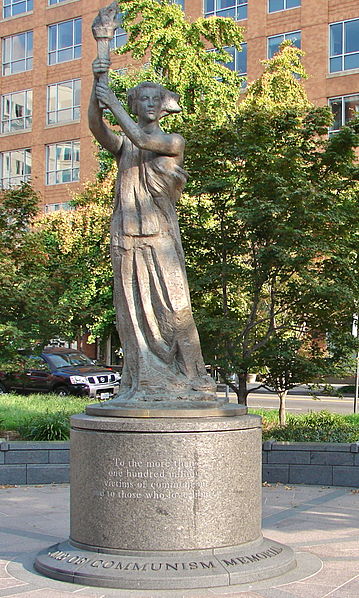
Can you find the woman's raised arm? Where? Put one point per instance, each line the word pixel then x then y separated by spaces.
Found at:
pixel 107 138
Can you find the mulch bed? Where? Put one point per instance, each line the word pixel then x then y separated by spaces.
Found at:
pixel 9 435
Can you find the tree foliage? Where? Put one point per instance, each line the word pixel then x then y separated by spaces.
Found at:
pixel 280 233
pixel 27 295
pixel 56 270
pixel 78 243
pixel 270 215
pixel 285 362
pixel 179 58
pixel 185 56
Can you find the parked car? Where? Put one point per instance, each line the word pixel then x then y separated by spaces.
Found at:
pixel 64 372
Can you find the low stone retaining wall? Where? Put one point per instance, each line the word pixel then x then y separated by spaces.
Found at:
pixel 322 463
pixel 327 464
pixel 34 462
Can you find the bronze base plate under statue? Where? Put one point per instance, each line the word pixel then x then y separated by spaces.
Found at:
pixel 165 409
pixel 165 503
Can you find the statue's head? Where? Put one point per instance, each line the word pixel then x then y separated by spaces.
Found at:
pixel 169 99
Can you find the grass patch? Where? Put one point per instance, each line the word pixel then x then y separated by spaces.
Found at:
pixel 46 416
pixel 320 426
pixel 267 415
pixel 16 409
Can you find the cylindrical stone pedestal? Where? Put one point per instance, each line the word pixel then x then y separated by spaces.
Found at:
pixel 165 484
pixel 165 503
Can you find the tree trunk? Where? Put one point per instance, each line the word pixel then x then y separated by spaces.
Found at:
pixel 282 411
pixel 242 389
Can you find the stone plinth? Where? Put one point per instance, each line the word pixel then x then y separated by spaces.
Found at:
pixel 165 503
pixel 182 484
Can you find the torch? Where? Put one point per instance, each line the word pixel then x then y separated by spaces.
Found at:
pixel 103 29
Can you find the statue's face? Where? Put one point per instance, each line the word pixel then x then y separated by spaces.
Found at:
pixel 149 104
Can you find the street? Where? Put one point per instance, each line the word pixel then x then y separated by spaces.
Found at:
pixel 298 401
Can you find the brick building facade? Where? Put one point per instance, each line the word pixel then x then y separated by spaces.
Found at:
pixel 46 54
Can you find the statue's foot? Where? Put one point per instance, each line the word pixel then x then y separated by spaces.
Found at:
pixel 204 384
pixel 124 396
pixel 198 390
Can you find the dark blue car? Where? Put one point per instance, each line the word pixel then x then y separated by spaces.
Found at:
pixel 64 372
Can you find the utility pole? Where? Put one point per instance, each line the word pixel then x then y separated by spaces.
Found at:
pixel 356 334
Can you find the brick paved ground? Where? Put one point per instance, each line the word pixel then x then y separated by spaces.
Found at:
pixel 320 523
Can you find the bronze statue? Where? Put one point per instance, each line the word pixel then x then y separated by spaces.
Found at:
pixel 162 354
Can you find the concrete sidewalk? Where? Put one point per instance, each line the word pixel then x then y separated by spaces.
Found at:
pixel 320 523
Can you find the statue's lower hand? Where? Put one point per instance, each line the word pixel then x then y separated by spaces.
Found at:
pixel 100 66
pixel 105 95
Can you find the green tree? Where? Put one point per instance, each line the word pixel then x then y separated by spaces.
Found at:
pixel 179 57
pixel 269 220
pixel 27 295
pixel 286 361
pixel 279 236
pixel 78 243
pixel 284 364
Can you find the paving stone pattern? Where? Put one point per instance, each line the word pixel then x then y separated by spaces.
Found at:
pixel 316 521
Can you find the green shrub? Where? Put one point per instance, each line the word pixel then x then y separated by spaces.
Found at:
pixel 321 426
pixel 48 426
pixel 348 389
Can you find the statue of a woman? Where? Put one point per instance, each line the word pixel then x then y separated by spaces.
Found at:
pixel 162 354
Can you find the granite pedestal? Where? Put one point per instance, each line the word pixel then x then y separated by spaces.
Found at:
pixel 159 502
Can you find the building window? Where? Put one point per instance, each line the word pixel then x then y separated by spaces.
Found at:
pixel 65 41
pixel 11 8
pixel 239 62
pixel 236 9
pixel 344 46
pixel 276 5
pixel 51 2
pixel 63 101
pixel 344 109
pixel 56 207
pixel 16 111
pixel 17 53
pixel 62 162
pixel 275 41
pixel 15 167
pixel 119 39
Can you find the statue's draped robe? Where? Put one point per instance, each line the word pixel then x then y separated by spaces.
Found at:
pixel 162 354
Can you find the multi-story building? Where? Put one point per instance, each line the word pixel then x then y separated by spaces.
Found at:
pixel 46 54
